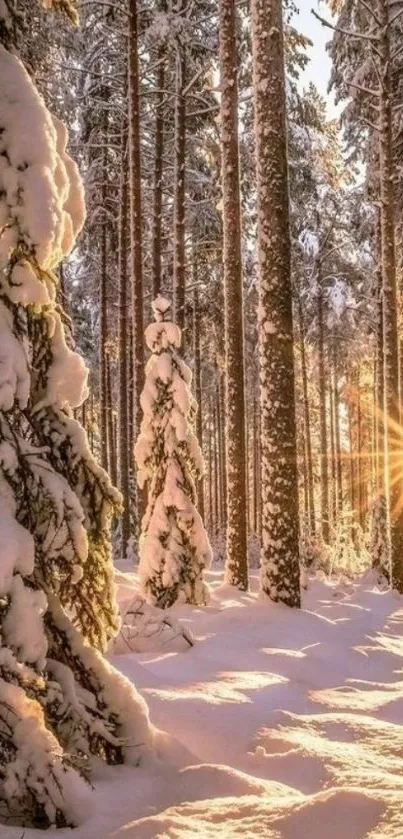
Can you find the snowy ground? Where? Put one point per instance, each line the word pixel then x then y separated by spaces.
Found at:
pixel 288 724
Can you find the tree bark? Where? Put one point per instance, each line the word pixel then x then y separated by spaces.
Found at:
pixel 158 173
pixel 339 464
pixel 136 237
pixel 236 567
pixel 255 467
pixel 217 522
pixel 210 471
pixel 197 381
pixel 103 323
pixel 280 513
pixel 109 419
pixel 179 184
pixel 333 451
pixel 391 345
pixel 123 336
pixel 307 420
pixel 324 472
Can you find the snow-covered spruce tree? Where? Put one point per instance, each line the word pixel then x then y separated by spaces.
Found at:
pixel 60 701
pixel 174 546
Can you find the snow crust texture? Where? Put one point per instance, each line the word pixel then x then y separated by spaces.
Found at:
pixel 279 723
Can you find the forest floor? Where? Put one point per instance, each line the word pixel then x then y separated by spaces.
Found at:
pixel 287 724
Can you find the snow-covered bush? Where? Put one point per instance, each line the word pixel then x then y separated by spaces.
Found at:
pixel 380 544
pixel 348 550
pixel 314 553
pixel 60 701
pixel 346 554
pixel 145 628
pixel 174 546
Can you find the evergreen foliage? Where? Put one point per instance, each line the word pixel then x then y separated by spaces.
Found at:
pixel 174 546
pixel 60 701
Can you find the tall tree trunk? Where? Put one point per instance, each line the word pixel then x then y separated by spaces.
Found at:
pixel 217 522
pixel 91 429
pixel 259 475
pixel 123 335
pixel 307 420
pixel 380 373
pixel 333 450
pixel 158 172
pixel 324 472
pixel 280 513
pixel 197 380
pixel 136 239
pixel 351 456
pixel 360 456
pixel 391 347
pixel 221 391
pixel 103 322
pixel 339 464
pixel 210 469
pixel 221 459
pixel 109 417
pixel 236 566
pixel 179 183
pixel 255 466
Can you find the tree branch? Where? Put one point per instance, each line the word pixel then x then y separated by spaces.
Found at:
pixel 395 17
pixel 370 11
pixel 373 39
pixel 363 89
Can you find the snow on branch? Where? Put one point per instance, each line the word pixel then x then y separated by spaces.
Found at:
pixel 60 701
pixel 174 546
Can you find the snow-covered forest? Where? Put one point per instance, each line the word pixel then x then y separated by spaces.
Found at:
pixel 201 420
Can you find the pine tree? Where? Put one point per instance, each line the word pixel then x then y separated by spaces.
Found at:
pixel 280 530
pixel 174 547
pixel 60 701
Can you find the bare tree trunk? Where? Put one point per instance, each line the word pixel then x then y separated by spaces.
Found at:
pixel 220 442
pixel 217 522
pixel 179 184
pixel 91 429
pixel 221 391
pixel 324 473
pixel 103 324
pixel 360 456
pixel 210 470
pixel 333 451
pixel 255 466
pixel 353 499
pixel 259 476
pixel 307 421
pixel 339 464
pixel 123 335
pixel 109 416
pixel 280 509
pixel 158 172
pixel 391 346
pixel 197 380
pixel 236 569
pixel 136 239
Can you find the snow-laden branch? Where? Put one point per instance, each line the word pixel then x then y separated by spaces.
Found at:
pixel 373 39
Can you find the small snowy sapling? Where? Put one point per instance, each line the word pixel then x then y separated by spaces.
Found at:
pixel 174 546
